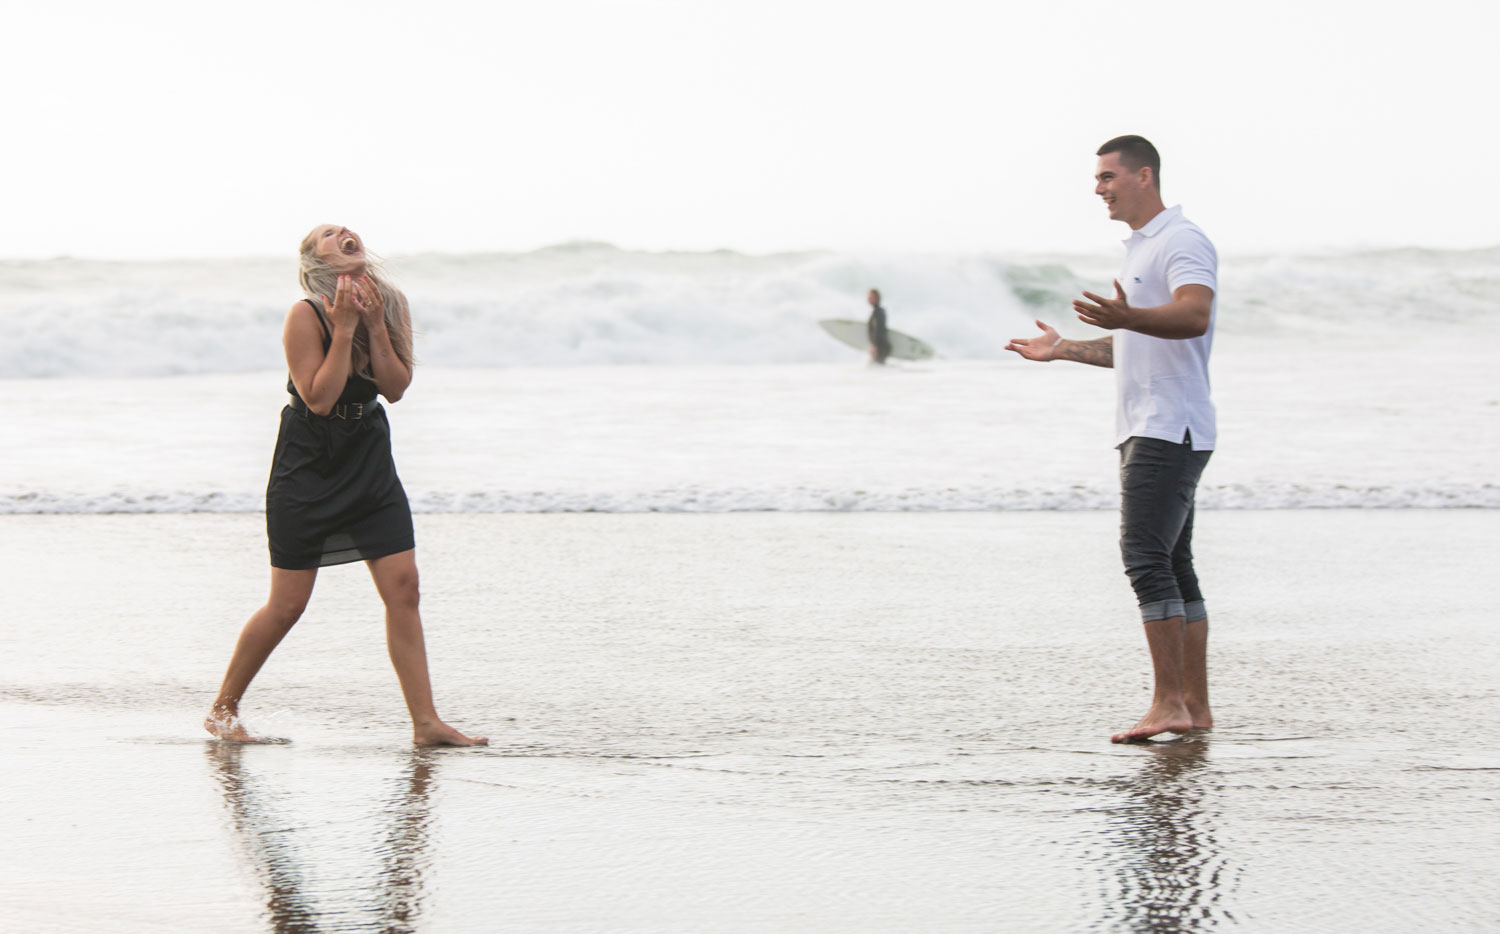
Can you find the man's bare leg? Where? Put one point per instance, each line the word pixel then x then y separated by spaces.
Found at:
pixel 396 580
pixel 1169 712
pixel 268 625
pixel 1195 673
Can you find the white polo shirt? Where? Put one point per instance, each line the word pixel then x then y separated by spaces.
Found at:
pixel 1162 384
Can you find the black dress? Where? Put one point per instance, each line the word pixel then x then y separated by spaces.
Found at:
pixel 334 496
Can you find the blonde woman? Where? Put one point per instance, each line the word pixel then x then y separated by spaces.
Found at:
pixel 334 496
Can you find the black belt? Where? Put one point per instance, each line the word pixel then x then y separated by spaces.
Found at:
pixel 345 410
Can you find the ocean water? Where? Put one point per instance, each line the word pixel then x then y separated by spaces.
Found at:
pixel 590 303
pixel 587 378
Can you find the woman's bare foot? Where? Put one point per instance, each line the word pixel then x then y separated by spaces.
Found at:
pixel 226 725
pixel 438 733
pixel 1157 720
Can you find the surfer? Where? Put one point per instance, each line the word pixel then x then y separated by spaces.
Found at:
pixel 1163 319
pixel 880 339
pixel 333 496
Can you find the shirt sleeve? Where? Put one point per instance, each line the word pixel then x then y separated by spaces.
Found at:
pixel 1192 260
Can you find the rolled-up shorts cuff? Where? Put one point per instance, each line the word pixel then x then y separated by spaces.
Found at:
pixel 1194 610
pixel 1161 609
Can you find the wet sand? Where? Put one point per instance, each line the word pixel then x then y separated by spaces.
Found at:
pixel 757 722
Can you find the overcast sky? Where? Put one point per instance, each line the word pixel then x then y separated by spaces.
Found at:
pixel 163 129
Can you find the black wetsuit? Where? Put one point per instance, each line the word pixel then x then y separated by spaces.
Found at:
pixel 879 339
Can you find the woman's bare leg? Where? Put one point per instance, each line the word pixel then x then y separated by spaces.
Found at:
pixel 396 580
pixel 290 591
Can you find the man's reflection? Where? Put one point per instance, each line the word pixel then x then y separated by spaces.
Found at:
pixel 1168 866
pixel 272 844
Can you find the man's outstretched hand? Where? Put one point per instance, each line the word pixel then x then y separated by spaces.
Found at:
pixel 1036 348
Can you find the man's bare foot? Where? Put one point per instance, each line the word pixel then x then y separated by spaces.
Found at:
pixel 227 727
pixel 439 733
pixel 1163 720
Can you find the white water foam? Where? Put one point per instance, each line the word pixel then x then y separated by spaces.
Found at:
pixel 594 304
pixel 695 499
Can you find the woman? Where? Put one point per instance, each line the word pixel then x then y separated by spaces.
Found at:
pixel 334 496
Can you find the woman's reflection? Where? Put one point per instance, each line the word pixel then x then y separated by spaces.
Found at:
pixel 405 850
pixel 271 843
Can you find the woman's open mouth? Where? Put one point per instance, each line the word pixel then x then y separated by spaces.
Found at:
pixel 349 245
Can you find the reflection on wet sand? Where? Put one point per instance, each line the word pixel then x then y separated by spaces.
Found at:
pixel 1167 871
pixel 404 855
pixel 274 848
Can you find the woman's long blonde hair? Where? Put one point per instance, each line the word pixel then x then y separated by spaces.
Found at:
pixel 318 279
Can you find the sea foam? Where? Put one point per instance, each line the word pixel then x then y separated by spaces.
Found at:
pixel 595 304
pixel 706 499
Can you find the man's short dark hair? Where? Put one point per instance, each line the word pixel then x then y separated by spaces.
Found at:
pixel 1135 151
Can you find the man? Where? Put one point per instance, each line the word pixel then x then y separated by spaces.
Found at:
pixel 880 341
pixel 1163 319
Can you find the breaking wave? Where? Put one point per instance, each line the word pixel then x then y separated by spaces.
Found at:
pixel 591 303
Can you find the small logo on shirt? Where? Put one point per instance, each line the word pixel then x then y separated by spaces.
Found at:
pixel 1136 279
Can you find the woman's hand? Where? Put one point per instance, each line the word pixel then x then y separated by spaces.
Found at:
pixel 343 312
pixel 369 302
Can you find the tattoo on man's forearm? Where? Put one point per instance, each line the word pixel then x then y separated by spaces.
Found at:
pixel 1099 352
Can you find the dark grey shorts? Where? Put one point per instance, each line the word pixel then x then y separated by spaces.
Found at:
pixel 1158 480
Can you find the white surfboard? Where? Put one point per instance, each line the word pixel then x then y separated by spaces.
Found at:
pixel 856 335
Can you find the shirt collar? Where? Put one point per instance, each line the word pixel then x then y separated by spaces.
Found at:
pixel 1154 225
